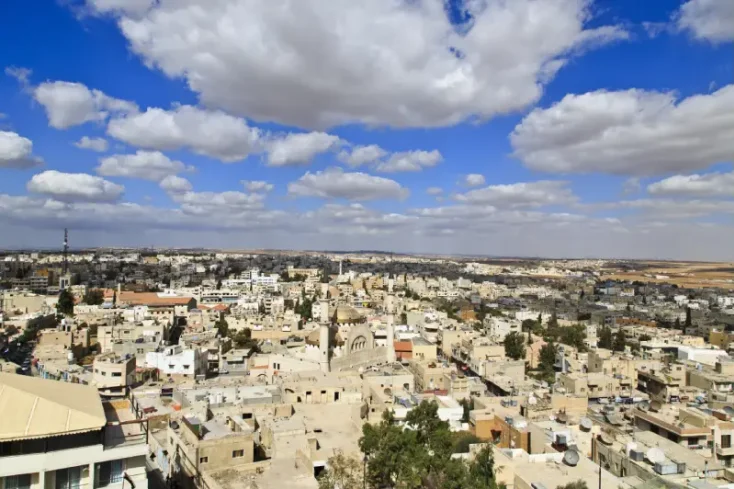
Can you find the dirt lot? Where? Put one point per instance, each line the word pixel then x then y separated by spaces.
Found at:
pixel 683 274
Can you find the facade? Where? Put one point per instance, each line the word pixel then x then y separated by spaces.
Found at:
pixel 175 361
pixel 113 374
pixel 56 435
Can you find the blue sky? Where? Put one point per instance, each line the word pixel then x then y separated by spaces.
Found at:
pixel 589 128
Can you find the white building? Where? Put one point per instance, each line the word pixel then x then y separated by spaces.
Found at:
pixel 56 435
pixel 174 360
pixel 499 328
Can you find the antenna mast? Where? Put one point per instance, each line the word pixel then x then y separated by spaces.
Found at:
pixel 66 251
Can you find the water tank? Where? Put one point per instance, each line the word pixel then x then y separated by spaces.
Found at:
pixel 637 455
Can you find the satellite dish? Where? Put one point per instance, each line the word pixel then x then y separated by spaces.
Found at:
pixel 655 406
pixel 586 424
pixel 729 410
pixel 655 455
pixel 605 439
pixel 532 401
pixel 571 458
pixel 644 405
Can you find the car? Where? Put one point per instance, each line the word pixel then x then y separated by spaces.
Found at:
pixel 224 371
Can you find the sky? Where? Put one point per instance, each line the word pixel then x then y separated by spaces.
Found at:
pixel 544 128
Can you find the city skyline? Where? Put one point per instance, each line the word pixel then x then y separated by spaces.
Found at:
pixel 563 128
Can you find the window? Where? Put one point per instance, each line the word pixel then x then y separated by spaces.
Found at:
pixel 725 441
pixel 104 374
pixel 68 478
pixel 117 374
pixel 18 481
pixel 109 473
pixel 204 460
pixel 238 454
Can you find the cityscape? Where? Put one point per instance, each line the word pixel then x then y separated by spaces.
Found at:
pixel 366 244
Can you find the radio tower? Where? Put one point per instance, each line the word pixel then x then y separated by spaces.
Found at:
pixel 66 251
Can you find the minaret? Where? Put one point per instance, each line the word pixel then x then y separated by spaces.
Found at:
pixel 324 345
pixel 390 329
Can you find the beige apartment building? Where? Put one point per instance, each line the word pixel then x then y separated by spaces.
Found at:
pixel 58 435
pixel 113 374
pixel 719 379
pixel 596 386
pixel 196 446
pixel 662 384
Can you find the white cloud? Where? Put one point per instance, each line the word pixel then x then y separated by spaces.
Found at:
pixel 206 132
pixel 632 132
pixel 711 20
pixel 316 64
pixel 706 185
pixel 524 194
pixel 631 186
pixel 434 190
pixel 667 209
pixel 473 180
pixel 95 144
pixel 174 184
pixel 336 184
pixel 362 155
pixel 299 148
pixel 129 7
pixel 74 187
pixel 70 104
pixel 257 186
pixel 410 161
pixel 148 165
pixel 17 151
pixel 215 204
pixel 21 74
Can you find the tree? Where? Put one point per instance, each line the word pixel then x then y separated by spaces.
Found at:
pixel 403 318
pixel 243 339
pixel 677 323
pixel 547 362
pixel 343 472
pixel 468 405
pixel 689 318
pixel 93 297
pixel 553 322
pixel 574 336
pixel 644 337
pixel 530 326
pixel 620 341
pixel 65 305
pixel 579 484
pixel 222 326
pixel 644 299
pixel 515 346
pixel 605 338
pixel 540 319
pixel 462 441
pixel 481 470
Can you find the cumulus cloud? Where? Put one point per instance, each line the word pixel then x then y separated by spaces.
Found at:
pixel 410 161
pixel 710 20
pixel 362 155
pixel 434 190
pixel 74 187
pixel 94 144
pixel 334 183
pixel 17 151
pixel 215 204
pixel 257 186
pixel 69 104
pixel 706 185
pixel 174 184
pixel 631 186
pixel 666 209
pixel 632 132
pixel 316 64
pixel 148 165
pixel 206 132
pixel 299 148
pixel 473 180
pixel 524 194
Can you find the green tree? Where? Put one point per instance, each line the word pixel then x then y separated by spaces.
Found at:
pixel 677 323
pixel 540 319
pixel 574 336
pixel 689 318
pixel 620 341
pixel 605 338
pixel 65 305
pixel 468 405
pixel 93 297
pixel 222 326
pixel 403 318
pixel 644 337
pixel 547 362
pixel 481 470
pixel 553 322
pixel 243 339
pixel 515 346
pixel 530 326
pixel 579 484
pixel 462 441
pixel 343 472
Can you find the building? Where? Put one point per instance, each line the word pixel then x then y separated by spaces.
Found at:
pixel 61 435
pixel 113 374
pixel 687 426
pixel 175 361
pixel 200 445
pixel 663 384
